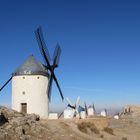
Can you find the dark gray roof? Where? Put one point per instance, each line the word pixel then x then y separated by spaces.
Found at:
pixel 31 67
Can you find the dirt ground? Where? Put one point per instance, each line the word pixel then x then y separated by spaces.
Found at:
pixel 68 130
pixel 20 126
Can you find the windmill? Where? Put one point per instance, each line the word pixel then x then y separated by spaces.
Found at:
pixel 73 106
pixel 90 110
pixel 32 81
pixel 51 67
pixel 72 109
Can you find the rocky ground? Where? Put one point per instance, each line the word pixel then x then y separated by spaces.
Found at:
pixel 19 126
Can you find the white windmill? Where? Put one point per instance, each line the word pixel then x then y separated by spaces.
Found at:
pixel 32 81
pixel 72 109
pixel 91 110
pixel 104 113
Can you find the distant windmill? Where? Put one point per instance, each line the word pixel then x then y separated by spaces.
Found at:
pixel 90 110
pixel 72 109
pixel 32 81
pixel 73 106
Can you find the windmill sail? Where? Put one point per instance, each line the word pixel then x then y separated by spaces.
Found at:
pixel 45 55
pixel 5 84
pixel 56 55
pixel 41 43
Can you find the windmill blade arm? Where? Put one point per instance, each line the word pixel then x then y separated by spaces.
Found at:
pixel 46 58
pixel 60 114
pixel 94 108
pixel 77 101
pixel 69 101
pixel 73 107
pixel 56 55
pixel 39 36
pixel 41 43
pixel 5 84
pixel 55 79
pixel 52 73
pixel 86 109
pixel 50 87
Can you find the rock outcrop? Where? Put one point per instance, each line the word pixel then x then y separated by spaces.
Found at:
pixel 19 126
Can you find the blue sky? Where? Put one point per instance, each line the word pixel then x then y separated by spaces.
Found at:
pixel 100 43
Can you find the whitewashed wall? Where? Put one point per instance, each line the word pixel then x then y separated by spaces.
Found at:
pixel 32 90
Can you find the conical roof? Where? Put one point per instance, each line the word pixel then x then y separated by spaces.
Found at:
pixel 31 67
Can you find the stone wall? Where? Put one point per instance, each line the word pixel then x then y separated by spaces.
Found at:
pixel 131 109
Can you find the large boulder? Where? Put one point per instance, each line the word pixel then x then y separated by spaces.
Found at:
pixel 15 125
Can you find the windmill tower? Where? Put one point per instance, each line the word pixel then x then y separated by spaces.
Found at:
pixel 29 88
pixel 32 81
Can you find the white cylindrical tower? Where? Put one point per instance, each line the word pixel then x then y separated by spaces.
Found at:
pixel 29 88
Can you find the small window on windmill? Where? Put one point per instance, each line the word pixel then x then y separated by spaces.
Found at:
pixel 23 93
pixel 38 77
pixel 23 77
pixel 28 72
pixel 25 72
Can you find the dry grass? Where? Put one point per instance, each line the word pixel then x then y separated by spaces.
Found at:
pixel 101 136
pixel 64 125
pixel 109 130
pixel 124 138
pixel 82 127
pixel 85 126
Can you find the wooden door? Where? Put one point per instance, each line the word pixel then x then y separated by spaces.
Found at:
pixel 24 107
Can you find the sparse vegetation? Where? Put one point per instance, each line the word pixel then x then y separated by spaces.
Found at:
pixel 124 138
pixel 94 129
pixel 82 127
pixel 130 122
pixel 65 125
pixel 109 130
pixel 85 126
pixel 101 136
